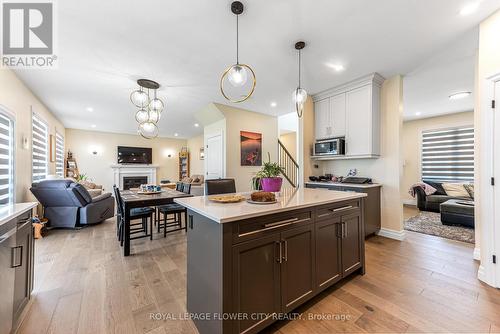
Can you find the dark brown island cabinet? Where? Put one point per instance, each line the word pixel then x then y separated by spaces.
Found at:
pixel 246 274
pixel 16 264
pixel 372 201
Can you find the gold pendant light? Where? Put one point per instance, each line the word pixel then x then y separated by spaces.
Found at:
pixel 237 75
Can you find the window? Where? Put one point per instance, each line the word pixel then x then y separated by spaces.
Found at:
pixel 448 155
pixel 6 159
pixel 59 155
pixel 39 149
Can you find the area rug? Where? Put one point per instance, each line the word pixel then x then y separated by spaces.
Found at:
pixel 430 223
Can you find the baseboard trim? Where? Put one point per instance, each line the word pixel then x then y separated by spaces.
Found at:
pixel 477 254
pixel 392 234
pixel 481 275
pixel 410 202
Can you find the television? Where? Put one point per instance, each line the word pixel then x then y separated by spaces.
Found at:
pixel 135 155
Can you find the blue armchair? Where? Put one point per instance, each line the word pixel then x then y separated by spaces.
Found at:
pixel 69 204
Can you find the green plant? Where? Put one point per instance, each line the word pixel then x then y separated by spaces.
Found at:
pixel 270 169
pixel 81 177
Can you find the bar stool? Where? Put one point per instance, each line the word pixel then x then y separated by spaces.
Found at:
pixel 176 210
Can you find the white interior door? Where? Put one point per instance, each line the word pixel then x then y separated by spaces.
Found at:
pixel 496 174
pixel 214 157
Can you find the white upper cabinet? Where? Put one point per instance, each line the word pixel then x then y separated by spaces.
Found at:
pixel 351 111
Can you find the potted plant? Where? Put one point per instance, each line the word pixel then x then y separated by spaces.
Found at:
pixel 269 176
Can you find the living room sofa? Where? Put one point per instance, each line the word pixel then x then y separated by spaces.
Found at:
pixel 432 202
pixel 68 204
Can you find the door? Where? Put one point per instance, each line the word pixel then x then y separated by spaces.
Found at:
pixel 359 121
pixel 22 285
pixel 322 118
pixel 256 289
pixel 337 115
pixel 297 268
pixel 496 173
pixel 328 261
pixel 214 155
pixel 7 276
pixel 351 242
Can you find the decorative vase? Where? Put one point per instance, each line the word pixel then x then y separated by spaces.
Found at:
pixel 271 184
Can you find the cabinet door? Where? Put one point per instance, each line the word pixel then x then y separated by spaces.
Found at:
pixel 256 278
pixel 322 118
pixel 297 268
pixel 22 285
pixel 359 121
pixel 328 261
pixel 7 276
pixel 351 232
pixel 337 115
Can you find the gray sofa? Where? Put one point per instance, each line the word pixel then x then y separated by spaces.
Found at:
pixel 69 204
pixel 433 202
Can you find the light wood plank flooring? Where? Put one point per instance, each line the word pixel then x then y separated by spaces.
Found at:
pixel 423 284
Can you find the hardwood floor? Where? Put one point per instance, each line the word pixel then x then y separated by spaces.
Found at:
pixel 423 284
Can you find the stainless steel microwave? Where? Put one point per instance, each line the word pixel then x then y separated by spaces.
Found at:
pixel 335 146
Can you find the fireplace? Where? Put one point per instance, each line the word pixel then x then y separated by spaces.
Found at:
pixel 134 181
pixel 147 174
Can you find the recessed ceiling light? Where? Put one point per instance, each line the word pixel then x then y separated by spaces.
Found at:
pixel 418 113
pixel 90 109
pixel 459 95
pixel 196 124
pixel 469 8
pixel 176 134
pixel 93 126
pixel 336 67
pixel 273 104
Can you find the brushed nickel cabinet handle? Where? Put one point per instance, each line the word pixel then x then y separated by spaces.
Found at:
pixel 342 208
pixel 281 222
pixel 279 259
pixel 14 257
pixel 285 243
pixel 272 226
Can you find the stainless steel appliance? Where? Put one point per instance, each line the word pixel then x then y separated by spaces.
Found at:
pixel 334 146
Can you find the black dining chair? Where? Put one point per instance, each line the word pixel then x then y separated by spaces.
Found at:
pixel 137 213
pixel 177 211
pixel 220 186
pixel 179 186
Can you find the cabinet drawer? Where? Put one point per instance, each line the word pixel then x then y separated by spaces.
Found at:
pixel 261 226
pixel 337 209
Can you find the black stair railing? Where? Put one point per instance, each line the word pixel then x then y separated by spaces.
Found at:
pixel 290 166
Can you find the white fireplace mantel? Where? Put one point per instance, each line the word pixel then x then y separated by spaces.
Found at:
pixel 120 171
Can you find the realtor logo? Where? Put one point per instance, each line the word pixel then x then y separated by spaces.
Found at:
pixel 28 34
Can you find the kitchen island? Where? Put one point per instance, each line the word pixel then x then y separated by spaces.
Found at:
pixel 248 265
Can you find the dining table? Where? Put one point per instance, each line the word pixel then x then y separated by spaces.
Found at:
pixel 134 199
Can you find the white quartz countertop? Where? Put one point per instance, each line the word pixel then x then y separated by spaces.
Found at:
pixel 10 211
pixel 288 199
pixel 351 185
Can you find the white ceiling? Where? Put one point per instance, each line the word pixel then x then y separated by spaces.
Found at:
pixel 104 46
pixel 426 90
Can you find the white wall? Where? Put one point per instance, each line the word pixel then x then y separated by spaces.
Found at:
pixel 98 167
pixel 20 101
pixel 388 168
pixel 196 165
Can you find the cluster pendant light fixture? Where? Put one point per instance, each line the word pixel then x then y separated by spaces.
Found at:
pixel 299 94
pixel 150 107
pixel 238 74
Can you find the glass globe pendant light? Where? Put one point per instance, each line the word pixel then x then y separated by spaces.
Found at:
pixel 300 94
pixel 238 74
pixel 142 116
pixel 148 130
pixel 156 104
pixel 150 109
pixel 139 98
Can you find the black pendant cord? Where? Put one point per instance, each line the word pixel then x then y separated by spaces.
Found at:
pixel 237 41
pixel 299 68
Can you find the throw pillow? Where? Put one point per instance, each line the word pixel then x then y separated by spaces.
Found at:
pixel 196 180
pixel 470 189
pixel 455 189
pixel 438 186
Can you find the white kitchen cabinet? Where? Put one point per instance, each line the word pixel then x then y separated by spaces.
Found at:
pixel 330 117
pixel 352 111
pixel 321 118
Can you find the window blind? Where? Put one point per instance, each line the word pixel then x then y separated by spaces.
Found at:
pixel 59 155
pixel 6 160
pixel 39 148
pixel 448 155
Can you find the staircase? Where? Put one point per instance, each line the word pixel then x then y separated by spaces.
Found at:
pixel 290 166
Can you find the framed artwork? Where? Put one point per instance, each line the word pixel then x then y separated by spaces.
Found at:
pixel 251 148
pixel 202 153
pixel 52 146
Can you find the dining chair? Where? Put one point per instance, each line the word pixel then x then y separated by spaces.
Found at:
pixel 177 211
pixel 220 186
pixel 178 186
pixel 137 213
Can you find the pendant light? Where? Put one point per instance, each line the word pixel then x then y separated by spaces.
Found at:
pixel 238 74
pixel 150 109
pixel 299 94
